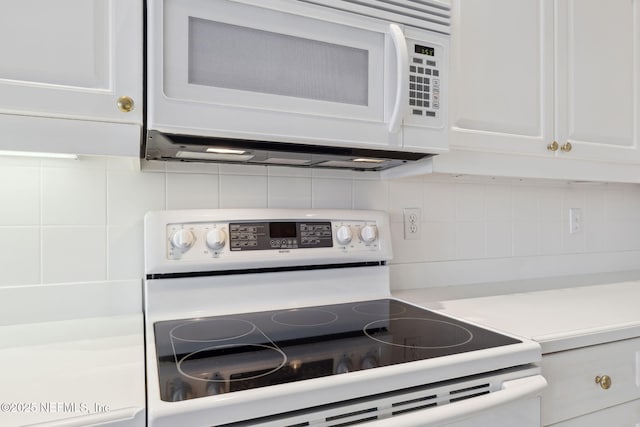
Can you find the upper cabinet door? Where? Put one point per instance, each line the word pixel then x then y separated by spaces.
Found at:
pixel 502 76
pixel 72 59
pixel 598 78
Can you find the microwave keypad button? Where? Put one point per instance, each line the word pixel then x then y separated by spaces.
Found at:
pixel 419 87
pixel 436 73
pixel 417 60
pixel 412 68
pixel 431 113
pixel 427 71
pixel 417 112
pixel 412 102
pixel 431 63
pixel 412 86
pixel 419 79
pixel 412 78
pixel 420 70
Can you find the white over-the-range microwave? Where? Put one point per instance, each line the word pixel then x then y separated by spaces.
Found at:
pixel 356 84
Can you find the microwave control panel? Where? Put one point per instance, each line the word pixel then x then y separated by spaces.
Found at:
pixel 425 71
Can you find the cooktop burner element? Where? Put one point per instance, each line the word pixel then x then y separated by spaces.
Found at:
pixel 251 350
pixel 305 317
pixel 434 334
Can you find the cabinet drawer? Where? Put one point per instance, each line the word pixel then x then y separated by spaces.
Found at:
pixel 571 375
pixel 625 415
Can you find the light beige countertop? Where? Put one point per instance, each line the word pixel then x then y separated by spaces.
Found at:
pixel 558 318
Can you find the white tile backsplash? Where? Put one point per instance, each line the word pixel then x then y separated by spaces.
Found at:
pixel 75 221
pixel 192 191
pixel 289 192
pixel 20 256
pixel 130 194
pixel 19 195
pixel 328 193
pixel 74 196
pixel 74 254
pixel 243 191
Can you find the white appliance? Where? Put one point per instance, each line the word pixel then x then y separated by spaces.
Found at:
pixel 284 318
pixel 334 84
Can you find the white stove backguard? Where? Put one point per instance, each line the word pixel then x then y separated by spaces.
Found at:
pixel 198 240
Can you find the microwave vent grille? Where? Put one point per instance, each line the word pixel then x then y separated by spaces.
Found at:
pixel 428 15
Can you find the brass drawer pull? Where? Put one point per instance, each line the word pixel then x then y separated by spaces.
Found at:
pixel 553 146
pixel 566 147
pixel 604 381
pixel 125 104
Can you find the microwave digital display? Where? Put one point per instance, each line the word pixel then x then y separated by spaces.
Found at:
pixel 425 50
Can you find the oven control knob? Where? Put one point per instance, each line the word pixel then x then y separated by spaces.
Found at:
pixel 183 239
pixel 216 239
pixel 179 390
pixel 215 385
pixel 344 235
pixel 369 361
pixel 369 233
pixel 344 365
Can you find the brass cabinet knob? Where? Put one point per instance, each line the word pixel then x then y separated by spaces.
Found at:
pixel 553 146
pixel 125 104
pixel 604 381
pixel 566 147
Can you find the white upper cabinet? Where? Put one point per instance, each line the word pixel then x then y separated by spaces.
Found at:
pixel 531 72
pixel 71 59
pixel 502 75
pixel 598 78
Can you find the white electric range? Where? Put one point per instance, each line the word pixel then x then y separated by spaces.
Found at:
pixel 277 317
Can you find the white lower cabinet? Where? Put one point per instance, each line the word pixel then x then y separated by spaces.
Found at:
pixel 590 383
pixel 625 415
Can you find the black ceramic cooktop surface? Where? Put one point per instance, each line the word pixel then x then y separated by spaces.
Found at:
pixel 222 354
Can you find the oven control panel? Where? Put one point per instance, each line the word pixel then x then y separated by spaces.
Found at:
pixel 279 235
pixel 202 240
pixel 231 239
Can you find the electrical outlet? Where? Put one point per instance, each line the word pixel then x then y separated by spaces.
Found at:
pixel 575 220
pixel 411 223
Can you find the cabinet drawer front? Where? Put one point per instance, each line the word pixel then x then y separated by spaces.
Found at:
pixel 573 389
pixel 625 415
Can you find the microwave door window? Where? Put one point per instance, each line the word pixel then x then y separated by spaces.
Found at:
pixel 241 58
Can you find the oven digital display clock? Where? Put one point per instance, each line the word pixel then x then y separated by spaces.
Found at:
pixel 279 235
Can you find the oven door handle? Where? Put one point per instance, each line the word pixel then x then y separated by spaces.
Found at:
pixel 511 391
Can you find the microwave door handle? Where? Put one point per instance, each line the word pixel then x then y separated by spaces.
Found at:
pixel 402 83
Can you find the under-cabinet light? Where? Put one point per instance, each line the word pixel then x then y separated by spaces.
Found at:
pixel 37 154
pixel 224 151
pixel 365 160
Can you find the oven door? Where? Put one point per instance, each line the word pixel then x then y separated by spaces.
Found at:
pixel 516 404
pixel 280 71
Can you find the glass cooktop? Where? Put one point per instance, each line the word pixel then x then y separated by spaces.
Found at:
pixel 224 354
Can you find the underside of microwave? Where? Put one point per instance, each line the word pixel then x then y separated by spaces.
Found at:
pixel 188 148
